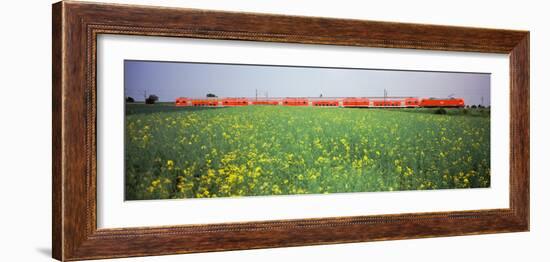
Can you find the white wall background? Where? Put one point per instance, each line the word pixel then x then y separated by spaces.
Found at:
pixel 25 129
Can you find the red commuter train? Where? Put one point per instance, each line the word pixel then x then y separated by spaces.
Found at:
pixel 234 101
pixel 355 102
pixel 265 102
pixel 412 102
pixel 365 102
pixel 333 102
pixel 204 102
pixel 183 101
pixel 295 102
pixel 437 102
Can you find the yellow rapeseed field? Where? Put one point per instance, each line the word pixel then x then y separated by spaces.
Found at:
pixel 274 150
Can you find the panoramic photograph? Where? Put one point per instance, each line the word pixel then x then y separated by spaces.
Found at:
pixel 212 130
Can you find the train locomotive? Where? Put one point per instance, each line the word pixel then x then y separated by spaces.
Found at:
pixel 350 102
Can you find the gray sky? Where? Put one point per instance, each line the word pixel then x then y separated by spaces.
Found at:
pixel 170 80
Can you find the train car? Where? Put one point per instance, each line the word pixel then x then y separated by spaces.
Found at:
pixel 295 102
pixel 235 101
pixel 204 102
pixel 442 102
pixel 394 102
pixel 325 103
pixel 388 103
pixel 355 102
pixel 182 101
pixel 265 102
pixel 412 102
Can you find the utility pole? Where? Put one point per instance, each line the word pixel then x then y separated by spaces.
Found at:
pixel 482 101
pixel 144 94
pixel 256 94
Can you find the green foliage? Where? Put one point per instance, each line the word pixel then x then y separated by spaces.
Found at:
pixel 255 150
pixel 477 112
pixel 151 99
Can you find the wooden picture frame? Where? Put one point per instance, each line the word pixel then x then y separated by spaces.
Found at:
pixel 76 26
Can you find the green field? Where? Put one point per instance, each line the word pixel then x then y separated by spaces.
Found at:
pixel 273 150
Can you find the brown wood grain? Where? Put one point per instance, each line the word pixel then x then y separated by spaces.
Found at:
pixel 75 28
pixel 57 198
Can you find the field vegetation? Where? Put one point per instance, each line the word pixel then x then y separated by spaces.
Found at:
pixel 274 150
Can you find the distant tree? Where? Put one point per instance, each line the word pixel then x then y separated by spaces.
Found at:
pixel 151 99
pixel 474 106
pixel 480 106
pixel 130 99
pixel 467 106
pixel 211 95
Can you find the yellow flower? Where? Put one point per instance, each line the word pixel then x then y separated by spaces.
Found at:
pixel 408 171
pixel 276 190
pixel 399 169
pixel 170 164
pixel 233 178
